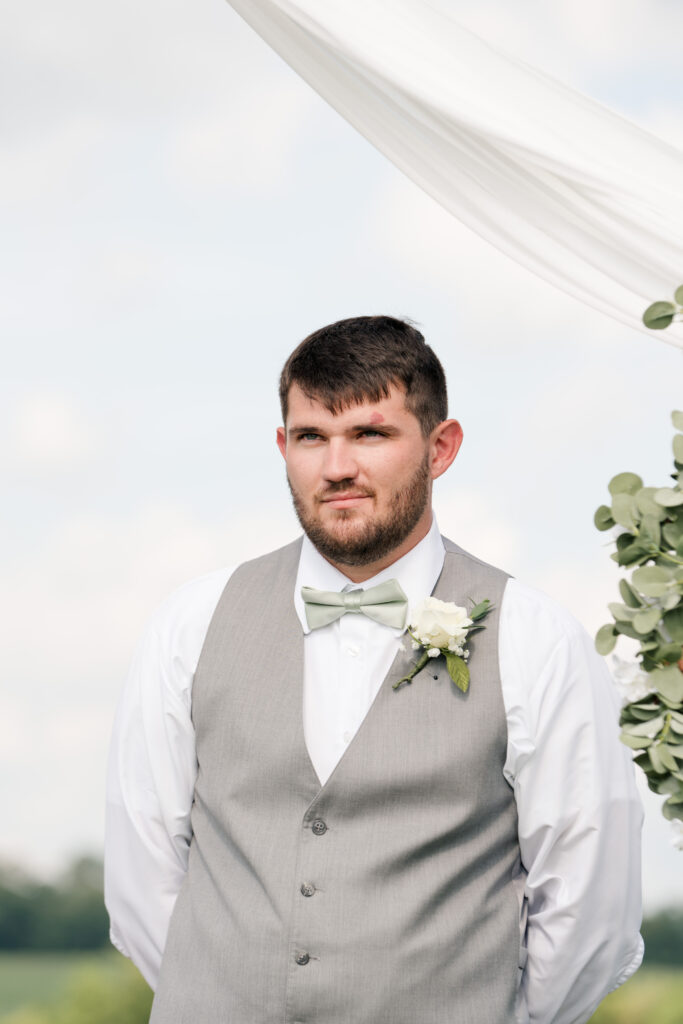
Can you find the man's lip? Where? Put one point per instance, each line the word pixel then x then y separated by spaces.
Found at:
pixel 343 500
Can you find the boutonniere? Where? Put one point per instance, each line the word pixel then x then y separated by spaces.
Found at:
pixel 442 628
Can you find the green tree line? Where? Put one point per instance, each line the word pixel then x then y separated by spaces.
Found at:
pixel 69 914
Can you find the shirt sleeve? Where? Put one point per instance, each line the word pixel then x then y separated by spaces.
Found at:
pixel 580 816
pixel 151 775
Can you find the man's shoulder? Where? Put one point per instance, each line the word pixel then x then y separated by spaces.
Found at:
pixel 191 605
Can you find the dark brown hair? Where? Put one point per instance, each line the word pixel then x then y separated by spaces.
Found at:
pixel 359 359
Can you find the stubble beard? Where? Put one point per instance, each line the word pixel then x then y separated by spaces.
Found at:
pixel 380 536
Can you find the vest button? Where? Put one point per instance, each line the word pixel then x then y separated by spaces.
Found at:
pixel 307 889
pixel 319 827
pixel 302 959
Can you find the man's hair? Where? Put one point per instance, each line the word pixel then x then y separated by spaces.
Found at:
pixel 359 359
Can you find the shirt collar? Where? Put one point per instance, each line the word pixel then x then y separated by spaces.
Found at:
pixel 417 572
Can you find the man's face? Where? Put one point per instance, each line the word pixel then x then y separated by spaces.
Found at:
pixel 360 479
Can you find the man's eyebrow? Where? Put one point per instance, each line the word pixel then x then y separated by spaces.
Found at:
pixel 303 430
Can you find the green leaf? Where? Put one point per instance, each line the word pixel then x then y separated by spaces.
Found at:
pixel 629 595
pixel 669 682
pixel 458 671
pixel 480 610
pixel 603 517
pixel 673 533
pixel 677 751
pixel 678 296
pixel 659 315
pixel 621 612
pixel 673 624
pixel 625 511
pixel 672 812
pixel 668 497
pixel 677 415
pixel 669 652
pixel 646 620
pixel 650 728
pixel 605 639
pixel 656 760
pixel 626 629
pixel 650 531
pixel 646 503
pixel 635 742
pixel 624 483
pixel 630 554
pixel 667 758
pixel 652 580
pixel 678 447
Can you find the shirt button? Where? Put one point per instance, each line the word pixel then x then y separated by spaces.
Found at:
pixel 307 889
pixel 302 959
pixel 319 827
pixel 347 737
pixel 352 650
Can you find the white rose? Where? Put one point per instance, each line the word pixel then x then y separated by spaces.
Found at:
pixel 633 684
pixel 439 622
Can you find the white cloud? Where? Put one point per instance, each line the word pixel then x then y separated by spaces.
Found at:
pixel 49 435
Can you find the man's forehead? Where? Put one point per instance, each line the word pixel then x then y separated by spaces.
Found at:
pixel 374 410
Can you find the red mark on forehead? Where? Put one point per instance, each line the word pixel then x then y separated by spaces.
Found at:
pixel 376 417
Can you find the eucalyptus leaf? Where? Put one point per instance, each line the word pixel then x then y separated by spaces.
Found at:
pixel 678 447
pixel 650 530
pixel 655 759
pixel 666 757
pixel 668 497
pixel 458 671
pixel 647 504
pixel 652 580
pixel 659 315
pixel 650 728
pixel 635 742
pixel 673 623
pixel 677 414
pixel 626 629
pixel 646 620
pixel 677 751
pixel 672 812
pixel 629 595
pixel 669 682
pixel 624 483
pixel 605 639
pixel 631 554
pixel 678 296
pixel 603 517
pixel 667 786
pixel 621 612
pixel 625 511
pixel 669 601
pixel 669 652
pixel 673 533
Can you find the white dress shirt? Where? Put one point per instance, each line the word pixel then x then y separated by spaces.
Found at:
pixel 579 813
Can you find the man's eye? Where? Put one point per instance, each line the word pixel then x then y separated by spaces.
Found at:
pixel 309 437
pixel 371 433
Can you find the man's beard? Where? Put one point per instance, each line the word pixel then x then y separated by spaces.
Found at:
pixel 379 537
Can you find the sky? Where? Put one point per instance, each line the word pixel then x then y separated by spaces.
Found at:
pixel 178 210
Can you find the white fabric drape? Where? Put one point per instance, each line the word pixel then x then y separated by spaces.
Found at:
pixel 571 190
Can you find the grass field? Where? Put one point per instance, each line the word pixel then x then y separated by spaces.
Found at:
pixel 61 987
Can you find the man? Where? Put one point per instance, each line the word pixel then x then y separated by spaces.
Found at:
pixel 304 842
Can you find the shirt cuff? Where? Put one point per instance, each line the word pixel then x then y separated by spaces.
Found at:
pixel 632 965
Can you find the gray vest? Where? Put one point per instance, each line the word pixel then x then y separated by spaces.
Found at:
pixel 391 895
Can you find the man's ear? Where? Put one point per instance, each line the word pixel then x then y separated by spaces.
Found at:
pixel 281 439
pixel 444 446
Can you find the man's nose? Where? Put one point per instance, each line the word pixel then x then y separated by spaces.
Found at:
pixel 340 463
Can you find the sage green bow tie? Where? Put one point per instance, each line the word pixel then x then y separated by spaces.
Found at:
pixel 385 603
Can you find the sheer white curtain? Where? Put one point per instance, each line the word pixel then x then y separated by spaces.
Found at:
pixel 571 190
